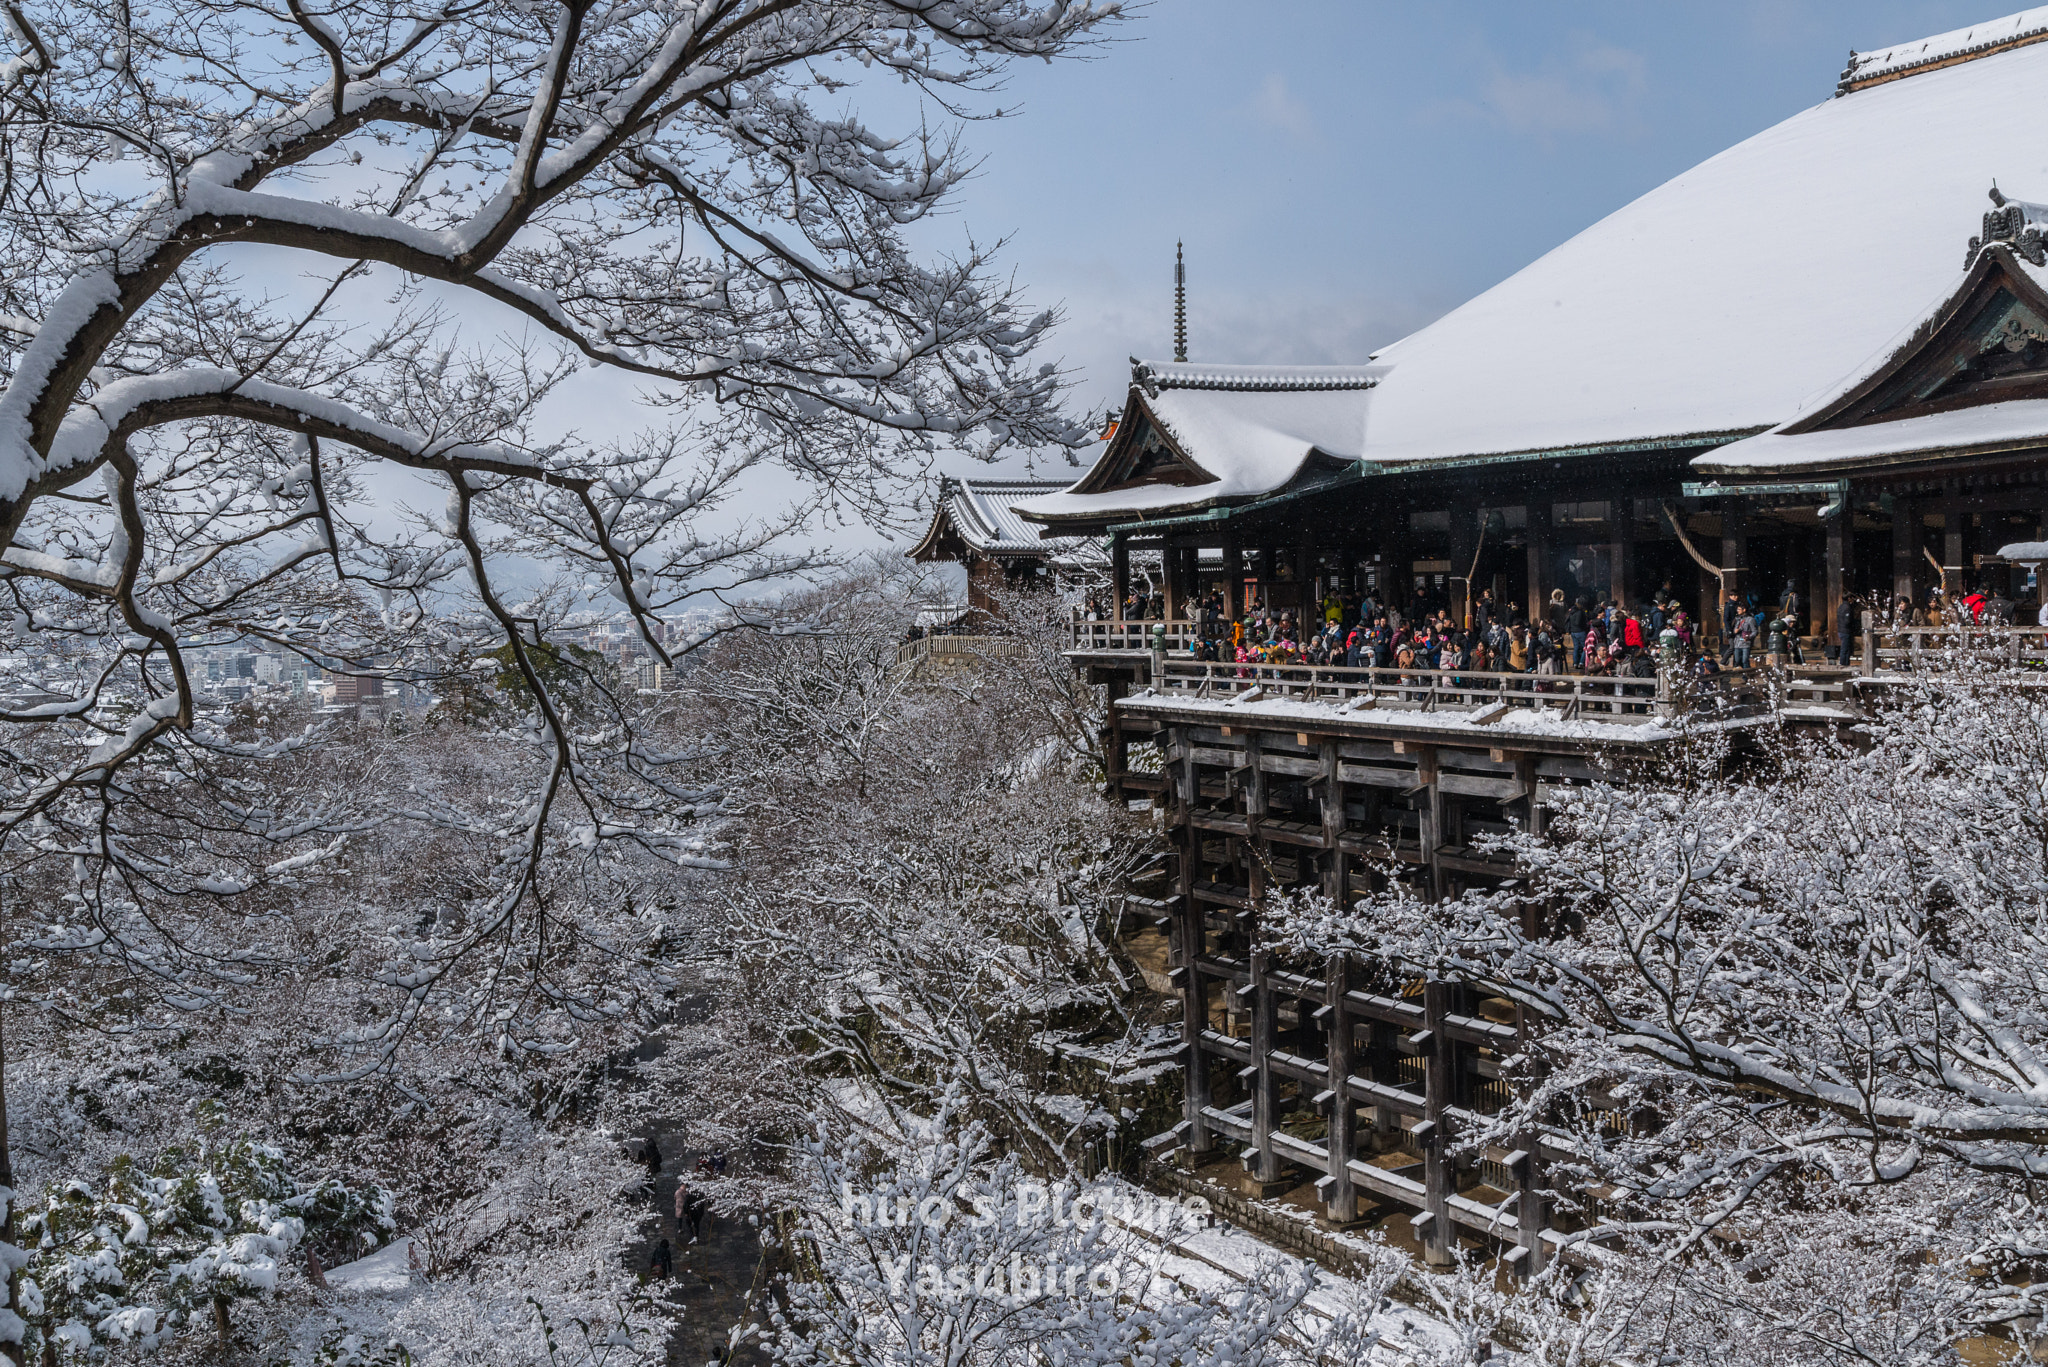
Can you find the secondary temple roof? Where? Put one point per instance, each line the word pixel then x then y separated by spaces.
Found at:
pixel 1727 302
pixel 980 513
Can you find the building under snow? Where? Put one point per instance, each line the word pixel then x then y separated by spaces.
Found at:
pixel 974 523
pixel 1817 361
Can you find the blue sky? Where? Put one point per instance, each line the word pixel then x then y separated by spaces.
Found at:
pixel 1343 171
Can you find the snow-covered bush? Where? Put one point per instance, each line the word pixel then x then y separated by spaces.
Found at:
pixel 152 1251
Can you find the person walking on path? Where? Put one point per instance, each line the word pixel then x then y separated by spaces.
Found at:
pixel 682 1197
pixel 652 1155
pixel 695 1209
pixel 663 1262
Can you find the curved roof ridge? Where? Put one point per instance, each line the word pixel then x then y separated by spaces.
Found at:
pixel 1153 376
pixel 1943 49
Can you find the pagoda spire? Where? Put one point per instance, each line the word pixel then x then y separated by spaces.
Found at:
pixel 1180 305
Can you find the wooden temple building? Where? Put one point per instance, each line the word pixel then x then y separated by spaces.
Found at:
pixel 975 525
pixel 1816 360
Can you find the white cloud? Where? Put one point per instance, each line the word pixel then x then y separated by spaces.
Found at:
pixel 1596 88
pixel 1278 107
pixel 1595 91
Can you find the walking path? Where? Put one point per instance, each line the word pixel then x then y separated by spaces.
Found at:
pixel 712 1276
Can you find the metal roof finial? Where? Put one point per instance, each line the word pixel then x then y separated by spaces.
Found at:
pixel 1180 304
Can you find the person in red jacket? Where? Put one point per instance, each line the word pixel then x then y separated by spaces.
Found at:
pixel 1631 631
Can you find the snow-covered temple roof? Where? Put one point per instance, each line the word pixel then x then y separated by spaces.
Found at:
pixel 1716 304
pixel 1721 305
pixel 1198 435
pixel 1944 49
pixel 979 512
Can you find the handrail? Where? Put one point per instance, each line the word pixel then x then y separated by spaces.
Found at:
pixel 1893 648
pixel 1134 634
pixel 1591 695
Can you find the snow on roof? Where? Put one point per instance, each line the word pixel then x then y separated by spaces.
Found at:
pixel 1957 45
pixel 2025 552
pixel 1993 427
pixel 1252 428
pixel 1710 307
pixel 979 512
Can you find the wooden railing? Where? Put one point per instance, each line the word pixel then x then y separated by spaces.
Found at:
pixel 1590 695
pixel 1134 635
pixel 948 649
pixel 1889 649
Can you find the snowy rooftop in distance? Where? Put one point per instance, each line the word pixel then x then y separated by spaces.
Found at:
pixel 1956 45
pixel 982 515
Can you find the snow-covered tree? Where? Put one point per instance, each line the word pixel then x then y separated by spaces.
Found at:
pixel 650 189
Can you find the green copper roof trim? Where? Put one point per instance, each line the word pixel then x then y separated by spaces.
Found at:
pixel 1359 470
pixel 1716 489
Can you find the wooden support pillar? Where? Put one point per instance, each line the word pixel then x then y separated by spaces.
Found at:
pixel 1265 1163
pixel 1525 774
pixel 1175 587
pixel 1906 551
pixel 1120 571
pixel 1430 819
pixel 1194 1009
pixel 1532 1208
pixel 1464 541
pixel 1116 756
pixel 1233 580
pixel 1955 522
pixel 1336 878
pixel 1397 564
pixel 1840 528
pixel 1340 1196
pixel 1439 1175
pixel 1622 517
pixel 1734 553
pixel 1537 518
pixel 1253 787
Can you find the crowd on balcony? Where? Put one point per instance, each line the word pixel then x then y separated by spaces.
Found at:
pixel 1573 636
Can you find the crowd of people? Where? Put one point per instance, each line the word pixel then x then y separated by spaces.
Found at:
pixel 1572 636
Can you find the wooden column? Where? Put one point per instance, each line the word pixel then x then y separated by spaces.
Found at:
pixel 1336 877
pixel 1190 916
pixel 1537 516
pixel 1340 1197
pixel 1734 551
pixel 1397 563
pixel 1439 1175
pixel 1905 551
pixel 1430 819
pixel 1532 1209
pixel 1809 565
pixel 1621 513
pixel 1840 528
pixel 1955 522
pixel 1170 570
pixel 1120 571
pixel 1265 1163
pixel 1464 540
pixel 1525 774
pixel 1233 580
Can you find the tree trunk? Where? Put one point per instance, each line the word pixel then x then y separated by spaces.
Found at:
pixel 15 1352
